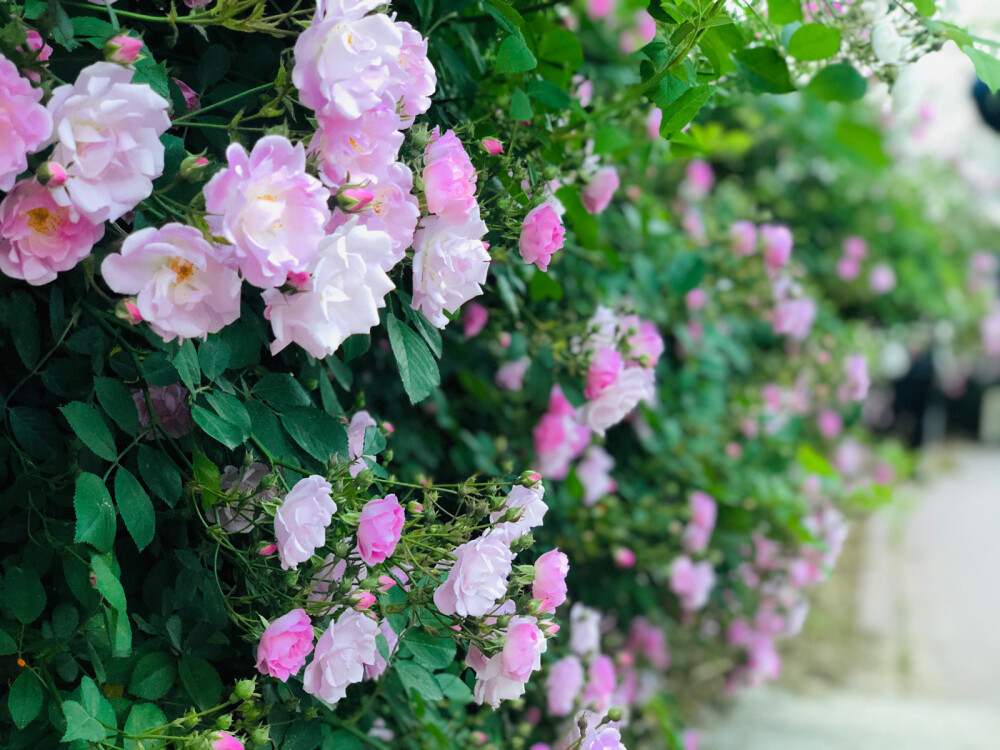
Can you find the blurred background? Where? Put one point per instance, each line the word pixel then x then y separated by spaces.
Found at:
pixel 901 650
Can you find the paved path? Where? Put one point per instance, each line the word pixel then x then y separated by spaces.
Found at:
pixel 927 675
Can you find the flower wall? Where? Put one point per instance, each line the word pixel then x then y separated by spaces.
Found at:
pixel 444 375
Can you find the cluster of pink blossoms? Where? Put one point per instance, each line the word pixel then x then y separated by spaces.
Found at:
pixel 621 352
pixel 106 132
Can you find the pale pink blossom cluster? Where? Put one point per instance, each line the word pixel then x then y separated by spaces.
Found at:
pixel 849 264
pixel 504 675
pixel 106 131
pixel 698 532
pixel 450 261
pixel 692 582
pixel 542 234
pixel 558 437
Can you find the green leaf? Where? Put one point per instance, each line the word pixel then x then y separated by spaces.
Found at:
pixel 186 362
pixel 213 65
pixel 561 46
pixel 685 272
pixel 153 676
pixel 65 619
pixel 206 473
pixel 418 680
pixel 80 725
pixel 158 370
pixel 814 41
pixel 453 688
pixel 24 328
pixel 91 429
pixel 135 507
pixel 549 94
pixel 862 141
pixel 417 367
pixel 230 409
pixel 508 18
pixel 215 426
pixel 319 434
pixel 24 594
pixel 159 475
pixel 926 8
pixel 142 718
pixel 341 739
pixel 281 391
pixel 784 11
pixel 520 106
pixel 765 70
pixel 95 515
pixel 610 138
pixel 987 67
pixel 303 735
pixel 25 699
pixel 513 56
pixel 684 109
pixel 107 583
pixel 7 644
pixel 152 73
pixel 35 430
pixel 213 356
pixel 116 400
pixel 201 681
pixel 544 286
pixel 431 651
pixel 838 83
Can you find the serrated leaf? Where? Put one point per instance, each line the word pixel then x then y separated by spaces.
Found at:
pixel 513 56
pixel 281 391
pixel 186 362
pixel 318 433
pixel 200 680
pixel 135 507
pixel 418 680
pixel 91 429
pixel 118 403
pixel 417 366
pixel 814 41
pixel 213 356
pixel 25 699
pixel 153 676
pixel 431 651
pixel 80 725
pixel 159 475
pixel 684 109
pixel 24 594
pixel 765 70
pixel 107 583
pixel 216 427
pixel 142 718
pixel 95 515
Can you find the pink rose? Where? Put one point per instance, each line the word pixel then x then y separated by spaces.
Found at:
pixel 597 194
pixel 529 510
pixel 503 676
pixel 582 89
pixel 110 168
pixel 597 9
pixel 342 654
pixel 623 557
pixel 615 401
pixel 829 423
pixel 190 95
pixel 356 149
pixel 450 264
pixel 379 528
pixel 653 121
pixel 510 376
pixel 704 510
pixel 38 237
pixel 301 520
pixel 375 670
pixel 285 644
pixel 603 370
pixel 696 299
pixel 601 682
pixel 474 319
pixel 777 242
pixel 449 177
pixel 699 178
pixel 692 582
pixel 346 289
pixel 122 49
pixel 549 585
pixel 557 437
pixel 35 43
pixel 272 212
pixel 743 236
pixel 855 247
pixel 225 741
pixel 650 641
pixel 848 268
pixel 181 289
pixel 477 579
pixel 542 234
pixel 24 123
pixel 690 739
pixel 170 406
pixel 856 381
pixel 493 147
pixel 585 629
pixel 882 279
pixel 414 81
pixel 645 344
pixel 563 685
pixel 794 318
pixel 594 473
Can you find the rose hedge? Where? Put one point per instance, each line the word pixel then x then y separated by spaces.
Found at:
pixel 444 375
